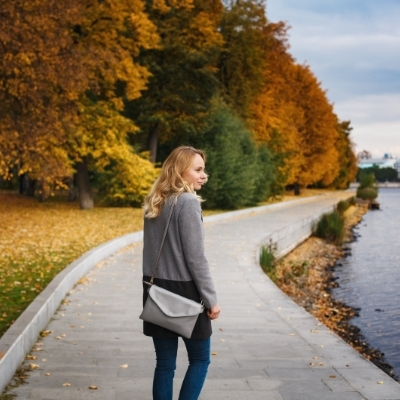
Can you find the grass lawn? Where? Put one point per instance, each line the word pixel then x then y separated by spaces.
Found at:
pixel 38 240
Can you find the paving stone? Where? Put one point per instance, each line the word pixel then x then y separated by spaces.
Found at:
pixel 264 384
pixel 338 385
pixel 290 373
pixel 372 384
pixel 253 395
pixel 322 396
pixel 216 372
pixel 274 364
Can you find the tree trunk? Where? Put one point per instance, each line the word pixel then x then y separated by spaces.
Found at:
pixel 43 191
pixel 152 143
pixel 23 183
pixel 84 192
pixel 72 195
pixel 296 189
pixel 27 186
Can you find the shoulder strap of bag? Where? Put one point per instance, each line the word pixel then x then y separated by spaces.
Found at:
pixel 162 244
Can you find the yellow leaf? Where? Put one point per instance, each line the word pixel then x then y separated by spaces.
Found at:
pixel 45 333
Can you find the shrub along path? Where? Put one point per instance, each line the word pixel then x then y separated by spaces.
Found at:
pixel 264 345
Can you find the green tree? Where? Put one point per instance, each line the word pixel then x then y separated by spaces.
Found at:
pixel 367 190
pixel 240 173
pixel 183 68
pixel 243 59
pixel 386 174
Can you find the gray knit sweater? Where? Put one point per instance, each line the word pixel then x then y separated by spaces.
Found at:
pixel 182 257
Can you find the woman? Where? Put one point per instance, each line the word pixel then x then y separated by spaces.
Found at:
pixel 182 268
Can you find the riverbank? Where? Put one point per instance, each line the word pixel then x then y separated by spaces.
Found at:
pixel 306 276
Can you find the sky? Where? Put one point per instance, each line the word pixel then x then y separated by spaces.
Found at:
pixel 353 48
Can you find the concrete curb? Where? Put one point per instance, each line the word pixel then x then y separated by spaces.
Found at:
pixel 288 238
pixel 254 210
pixel 21 336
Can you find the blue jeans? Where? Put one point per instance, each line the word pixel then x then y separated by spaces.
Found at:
pixel 199 360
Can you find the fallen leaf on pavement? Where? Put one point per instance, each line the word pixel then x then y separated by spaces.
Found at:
pixel 45 333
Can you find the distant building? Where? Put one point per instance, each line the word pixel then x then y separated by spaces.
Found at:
pixel 387 161
pixel 397 166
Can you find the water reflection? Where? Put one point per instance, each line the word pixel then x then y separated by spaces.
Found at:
pixel 369 279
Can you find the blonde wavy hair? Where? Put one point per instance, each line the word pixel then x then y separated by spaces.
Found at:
pixel 170 182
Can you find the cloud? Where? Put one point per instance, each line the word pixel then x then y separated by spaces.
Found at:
pixel 343 43
pixel 352 48
pixel 375 121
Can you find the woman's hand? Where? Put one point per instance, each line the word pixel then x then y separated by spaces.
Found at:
pixel 213 312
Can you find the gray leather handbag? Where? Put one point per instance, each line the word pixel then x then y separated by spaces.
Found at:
pixel 168 309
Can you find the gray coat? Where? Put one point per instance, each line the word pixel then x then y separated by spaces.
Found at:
pixel 183 267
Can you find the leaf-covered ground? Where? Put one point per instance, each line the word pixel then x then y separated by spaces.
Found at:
pixel 38 240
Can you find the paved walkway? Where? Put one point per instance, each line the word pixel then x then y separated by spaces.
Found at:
pixel 264 345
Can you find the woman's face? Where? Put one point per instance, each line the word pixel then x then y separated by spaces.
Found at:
pixel 195 174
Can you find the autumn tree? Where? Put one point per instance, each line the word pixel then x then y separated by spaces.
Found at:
pixel 64 71
pixel 242 60
pixel 293 116
pixel 112 33
pixel 319 133
pixel 347 159
pixel 275 115
pixel 39 82
pixel 182 67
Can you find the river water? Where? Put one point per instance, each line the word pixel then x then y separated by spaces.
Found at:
pixel 369 278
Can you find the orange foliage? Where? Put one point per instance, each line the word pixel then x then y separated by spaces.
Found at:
pixel 294 117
